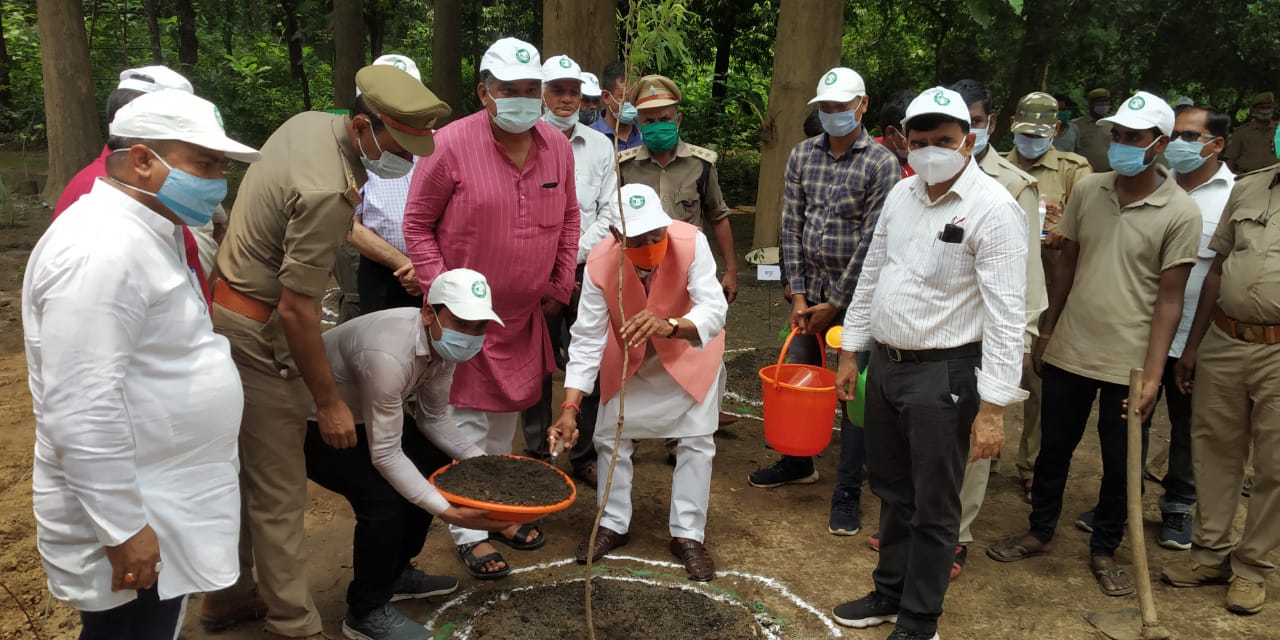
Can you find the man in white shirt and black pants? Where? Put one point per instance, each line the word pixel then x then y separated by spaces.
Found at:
pixel 940 305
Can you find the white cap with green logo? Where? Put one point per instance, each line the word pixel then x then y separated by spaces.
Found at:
pixel 511 59
pixel 173 114
pixel 1142 111
pixel 465 293
pixel 840 84
pixel 642 209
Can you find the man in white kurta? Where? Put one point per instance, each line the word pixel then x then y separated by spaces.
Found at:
pixel 674 330
pixel 137 401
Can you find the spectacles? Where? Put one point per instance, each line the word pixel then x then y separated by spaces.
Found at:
pixel 1191 136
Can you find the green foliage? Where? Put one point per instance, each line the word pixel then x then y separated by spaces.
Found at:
pixel 654 36
pixel 739 173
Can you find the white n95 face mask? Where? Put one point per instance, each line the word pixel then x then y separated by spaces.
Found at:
pixel 517 115
pixel 936 164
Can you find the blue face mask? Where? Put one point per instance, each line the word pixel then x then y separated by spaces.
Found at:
pixel 980 139
pixel 629 113
pixel 839 124
pixel 1127 160
pixel 456 346
pixel 1183 156
pixel 1031 148
pixel 192 198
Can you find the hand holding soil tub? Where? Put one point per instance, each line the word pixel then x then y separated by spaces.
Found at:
pixel 380 360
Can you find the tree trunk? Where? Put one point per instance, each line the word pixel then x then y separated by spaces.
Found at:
pixel 446 56
pixel 585 30
pixel 808 43
pixel 153 30
pixel 71 113
pixel 1039 31
pixel 188 45
pixel 228 26
pixel 375 20
pixel 725 33
pixel 293 37
pixel 6 67
pixel 348 49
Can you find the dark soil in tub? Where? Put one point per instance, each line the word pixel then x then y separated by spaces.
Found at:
pixel 622 611
pixel 522 482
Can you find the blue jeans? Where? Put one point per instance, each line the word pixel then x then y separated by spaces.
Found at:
pixel 853 448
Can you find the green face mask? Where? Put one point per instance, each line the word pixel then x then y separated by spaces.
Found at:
pixel 660 137
pixel 1275 143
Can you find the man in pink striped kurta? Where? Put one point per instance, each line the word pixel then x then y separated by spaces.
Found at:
pixel 497 196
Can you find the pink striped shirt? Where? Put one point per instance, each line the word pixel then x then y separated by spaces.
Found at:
pixel 469 206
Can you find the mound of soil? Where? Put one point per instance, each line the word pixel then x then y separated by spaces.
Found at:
pixel 622 611
pixel 519 482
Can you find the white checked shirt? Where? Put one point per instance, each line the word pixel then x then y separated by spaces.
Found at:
pixel 379 360
pixel 1211 198
pixel 382 208
pixel 917 292
pixel 597 185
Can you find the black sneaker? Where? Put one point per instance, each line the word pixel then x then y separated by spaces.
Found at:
pixel 384 623
pixel 870 611
pixel 1175 531
pixel 902 634
pixel 413 584
pixel 1084 521
pixel 845 519
pixel 788 470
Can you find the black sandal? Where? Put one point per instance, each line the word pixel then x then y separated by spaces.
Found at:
pixel 520 541
pixel 475 565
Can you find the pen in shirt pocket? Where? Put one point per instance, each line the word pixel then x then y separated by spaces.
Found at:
pixel 550 185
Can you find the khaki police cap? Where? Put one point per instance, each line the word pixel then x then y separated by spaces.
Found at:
pixel 651 92
pixel 1036 115
pixel 408 108
pixel 1266 97
pixel 1097 94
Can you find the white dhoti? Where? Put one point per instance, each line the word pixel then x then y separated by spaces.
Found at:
pixel 657 407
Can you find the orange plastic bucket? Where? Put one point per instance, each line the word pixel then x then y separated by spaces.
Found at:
pixel 799 405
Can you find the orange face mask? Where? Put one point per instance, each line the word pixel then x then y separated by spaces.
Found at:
pixel 648 256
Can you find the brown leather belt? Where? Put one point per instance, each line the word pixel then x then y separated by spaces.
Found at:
pixel 1245 332
pixel 232 300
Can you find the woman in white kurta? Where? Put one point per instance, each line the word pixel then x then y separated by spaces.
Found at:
pixel 658 405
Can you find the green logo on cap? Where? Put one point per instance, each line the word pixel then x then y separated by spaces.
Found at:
pixel 217 115
pixel 1137 103
pixel 940 99
pixel 523 56
pixel 565 64
pixel 829 79
pixel 479 289
pixel 399 64
pixel 636 202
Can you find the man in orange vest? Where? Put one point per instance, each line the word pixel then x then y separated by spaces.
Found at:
pixel 673 329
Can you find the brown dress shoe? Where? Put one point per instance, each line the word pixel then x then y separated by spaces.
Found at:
pixel 606 540
pixel 219 614
pixel 697 561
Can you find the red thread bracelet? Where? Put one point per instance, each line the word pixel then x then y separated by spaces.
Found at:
pixel 571 405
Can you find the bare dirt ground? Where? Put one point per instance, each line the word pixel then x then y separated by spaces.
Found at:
pixel 771 546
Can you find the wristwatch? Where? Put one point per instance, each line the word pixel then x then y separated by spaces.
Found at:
pixel 675 326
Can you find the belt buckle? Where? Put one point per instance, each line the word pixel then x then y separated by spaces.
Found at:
pixel 894 354
pixel 1249 333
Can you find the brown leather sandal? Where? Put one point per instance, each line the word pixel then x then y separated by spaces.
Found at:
pixel 697 561
pixel 606 540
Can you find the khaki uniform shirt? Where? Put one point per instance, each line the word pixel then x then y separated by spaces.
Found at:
pixel 1104 328
pixel 1093 143
pixel 1056 173
pixel 293 210
pixel 688 185
pixel 1252 147
pixel 1022 186
pixel 1249 237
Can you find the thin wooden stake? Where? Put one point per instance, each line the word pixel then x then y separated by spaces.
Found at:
pixel 1137 538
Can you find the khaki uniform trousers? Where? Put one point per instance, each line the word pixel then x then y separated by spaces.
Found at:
pixel 273 473
pixel 1236 403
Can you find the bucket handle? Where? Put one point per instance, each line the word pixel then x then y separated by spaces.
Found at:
pixel 822 350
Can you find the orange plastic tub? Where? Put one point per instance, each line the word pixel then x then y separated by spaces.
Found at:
pixel 507 512
pixel 799 405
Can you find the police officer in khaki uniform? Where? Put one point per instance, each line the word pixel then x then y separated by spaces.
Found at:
pixel 1022 186
pixel 684 175
pixel 1234 351
pixel 1252 146
pixel 1095 140
pixel 1035 126
pixel 293 211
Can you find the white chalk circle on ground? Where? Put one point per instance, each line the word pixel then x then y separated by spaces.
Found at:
pixel 769 628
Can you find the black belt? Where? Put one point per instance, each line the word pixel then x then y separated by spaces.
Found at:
pixel 971 350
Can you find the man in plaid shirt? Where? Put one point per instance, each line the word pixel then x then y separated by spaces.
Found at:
pixel 836 183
